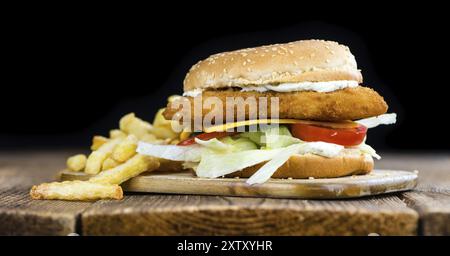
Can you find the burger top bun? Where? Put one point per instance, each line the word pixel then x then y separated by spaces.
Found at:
pixel 300 61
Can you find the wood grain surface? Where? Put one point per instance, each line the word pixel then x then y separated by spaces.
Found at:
pixel 424 210
pixel 215 215
pixel 19 215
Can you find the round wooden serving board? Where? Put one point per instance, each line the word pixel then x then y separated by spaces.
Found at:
pixel 377 182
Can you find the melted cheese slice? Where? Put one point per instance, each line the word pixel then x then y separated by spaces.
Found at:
pixel 225 127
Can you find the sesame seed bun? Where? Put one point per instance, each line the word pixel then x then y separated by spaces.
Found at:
pixel 349 162
pixel 300 61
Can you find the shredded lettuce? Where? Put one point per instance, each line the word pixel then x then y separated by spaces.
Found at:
pixel 268 169
pixel 378 120
pixel 272 138
pixel 279 141
pixel 214 145
pixel 217 157
pixel 255 137
pixel 239 144
pixel 213 165
pixel 171 152
pixel 190 165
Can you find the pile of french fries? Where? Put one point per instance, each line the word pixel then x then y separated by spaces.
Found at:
pixel 112 161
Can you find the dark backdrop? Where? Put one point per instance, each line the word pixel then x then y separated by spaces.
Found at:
pixel 70 73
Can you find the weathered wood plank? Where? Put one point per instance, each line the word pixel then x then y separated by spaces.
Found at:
pixel 213 215
pixel 434 168
pixel 431 198
pixel 19 215
pixel 433 208
pixel 166 215
pixel 31 167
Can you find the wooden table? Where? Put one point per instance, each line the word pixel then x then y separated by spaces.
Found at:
pixel 424 211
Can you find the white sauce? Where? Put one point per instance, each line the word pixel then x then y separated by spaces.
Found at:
pixel 329 86
pixel 193 93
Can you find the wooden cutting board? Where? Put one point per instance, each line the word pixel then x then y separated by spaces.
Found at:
pixel 377 182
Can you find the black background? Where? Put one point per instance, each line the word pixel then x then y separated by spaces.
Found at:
pixel 72 72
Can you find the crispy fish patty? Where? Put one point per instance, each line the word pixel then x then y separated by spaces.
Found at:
pixel 346 104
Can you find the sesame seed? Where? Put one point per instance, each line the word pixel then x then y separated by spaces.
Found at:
pixel 244 63
pixel 310 178
pixel 274 49
pixel 295 63
pixel 291 51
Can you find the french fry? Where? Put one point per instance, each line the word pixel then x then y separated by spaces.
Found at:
pixel 162 128
pixel 76 190
pixel 150 138
pixel 130 124
pixel 164 132
pixel 96 158
pixel 172 98
pixel 133 167
pixel 159 119
pixel 76 163
pixel 116 133
pixel 185 134
pixel 125 149
pixel 97 142
pixel 95 161
pixel 109 163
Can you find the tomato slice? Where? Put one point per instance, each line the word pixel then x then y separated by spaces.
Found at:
pixel 344 137
pixel 205 136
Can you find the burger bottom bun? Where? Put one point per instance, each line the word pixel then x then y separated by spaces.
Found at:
pixel 309 165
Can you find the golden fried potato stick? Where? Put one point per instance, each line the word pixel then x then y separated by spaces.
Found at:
pixel 76 163
pixel 96 158
pixel 150 138
pixel 125 149
pixel 76 190
pixel 130 124
pixel 97 142
pixel 116 133
pixel 133 167
pixel 162 128
pixel 109 163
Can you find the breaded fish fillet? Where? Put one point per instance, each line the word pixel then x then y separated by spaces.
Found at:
pixel 346 104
